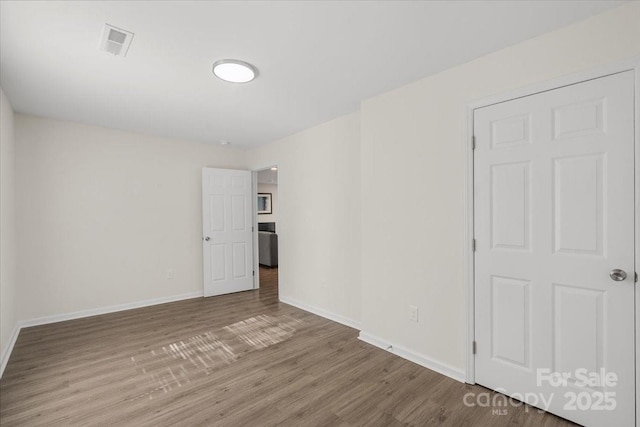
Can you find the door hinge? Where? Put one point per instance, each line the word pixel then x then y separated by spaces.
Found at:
pixel 473 245
pixel 474 347
pixel 252 229
pixel 254 272
pixel 473 142
pixel 635 277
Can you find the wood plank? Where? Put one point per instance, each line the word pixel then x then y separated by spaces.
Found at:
pixel 159 366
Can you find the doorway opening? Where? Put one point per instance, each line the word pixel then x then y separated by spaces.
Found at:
pixel 267 209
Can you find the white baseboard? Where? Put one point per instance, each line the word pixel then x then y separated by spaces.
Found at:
pixel 434 365
pixel 105 310
pixel 322 312
pixel 6 352
pixel 85 313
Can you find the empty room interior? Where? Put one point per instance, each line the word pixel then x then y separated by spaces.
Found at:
pixel 319 213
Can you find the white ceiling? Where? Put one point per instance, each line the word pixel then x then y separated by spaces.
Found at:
pixel 316 59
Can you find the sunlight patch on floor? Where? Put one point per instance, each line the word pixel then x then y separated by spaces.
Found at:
pixel 262 331
pixel 179 363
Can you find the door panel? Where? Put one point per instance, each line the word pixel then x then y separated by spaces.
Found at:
pixel 584 347
pixel 239 212
pixel 578 204
pixel 216 212
pixel 510 206
pixel 510 320
pixel 239 260
pixel 578 119
pixel 510 132
pixel 554 214
pixel 218 262
pixel 227 236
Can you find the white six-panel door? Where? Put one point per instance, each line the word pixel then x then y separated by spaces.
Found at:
pixel 227 243
pixel 553 216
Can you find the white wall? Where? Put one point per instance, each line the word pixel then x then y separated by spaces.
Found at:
pixel 319 215
pixel 8 283
pixel 413 170
pixel 103 214
pixel 273 189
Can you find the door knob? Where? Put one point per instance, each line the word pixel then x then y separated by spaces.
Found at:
pixel 617 275
pixel 206 239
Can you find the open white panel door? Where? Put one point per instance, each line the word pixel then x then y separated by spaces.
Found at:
pixel 227 239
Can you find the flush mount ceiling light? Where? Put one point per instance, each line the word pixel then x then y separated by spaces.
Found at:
pixel 274 168
pixel 234 71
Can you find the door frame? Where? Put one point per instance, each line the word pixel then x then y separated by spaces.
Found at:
pixel 256 246
pixel 632 64
pixel 254 226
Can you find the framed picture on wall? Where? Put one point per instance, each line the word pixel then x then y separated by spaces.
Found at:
pixel 264 203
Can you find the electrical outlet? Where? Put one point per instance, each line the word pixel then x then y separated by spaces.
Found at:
pixel 413 313
pixel 170 274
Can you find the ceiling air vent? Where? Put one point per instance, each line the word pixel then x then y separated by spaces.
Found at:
pixel 115 40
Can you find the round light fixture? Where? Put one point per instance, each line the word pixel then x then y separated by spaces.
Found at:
pixel 234 71
pixel 274 168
